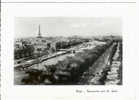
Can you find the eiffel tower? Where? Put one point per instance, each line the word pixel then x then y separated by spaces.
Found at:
pixel 39 33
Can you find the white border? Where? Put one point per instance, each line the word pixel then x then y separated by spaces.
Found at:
pixel 126 12
pixel 69 0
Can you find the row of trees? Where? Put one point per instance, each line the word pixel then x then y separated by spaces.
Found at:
pixel 73 67
pixel 70 69
pixel 67 44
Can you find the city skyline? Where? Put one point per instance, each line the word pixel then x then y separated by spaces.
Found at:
pixel 60 26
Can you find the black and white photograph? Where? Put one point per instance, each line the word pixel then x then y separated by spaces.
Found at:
pixel 68 51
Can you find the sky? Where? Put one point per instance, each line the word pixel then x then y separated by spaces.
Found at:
pixel 67 26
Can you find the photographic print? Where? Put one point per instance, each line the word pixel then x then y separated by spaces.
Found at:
pixel 68 51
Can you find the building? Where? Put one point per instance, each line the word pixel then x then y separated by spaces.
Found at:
pixel 41 44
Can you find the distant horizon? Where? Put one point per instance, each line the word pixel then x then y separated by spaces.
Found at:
pixel 69 36
pixel 66 27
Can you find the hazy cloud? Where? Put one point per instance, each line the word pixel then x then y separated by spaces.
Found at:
pixel 60 26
